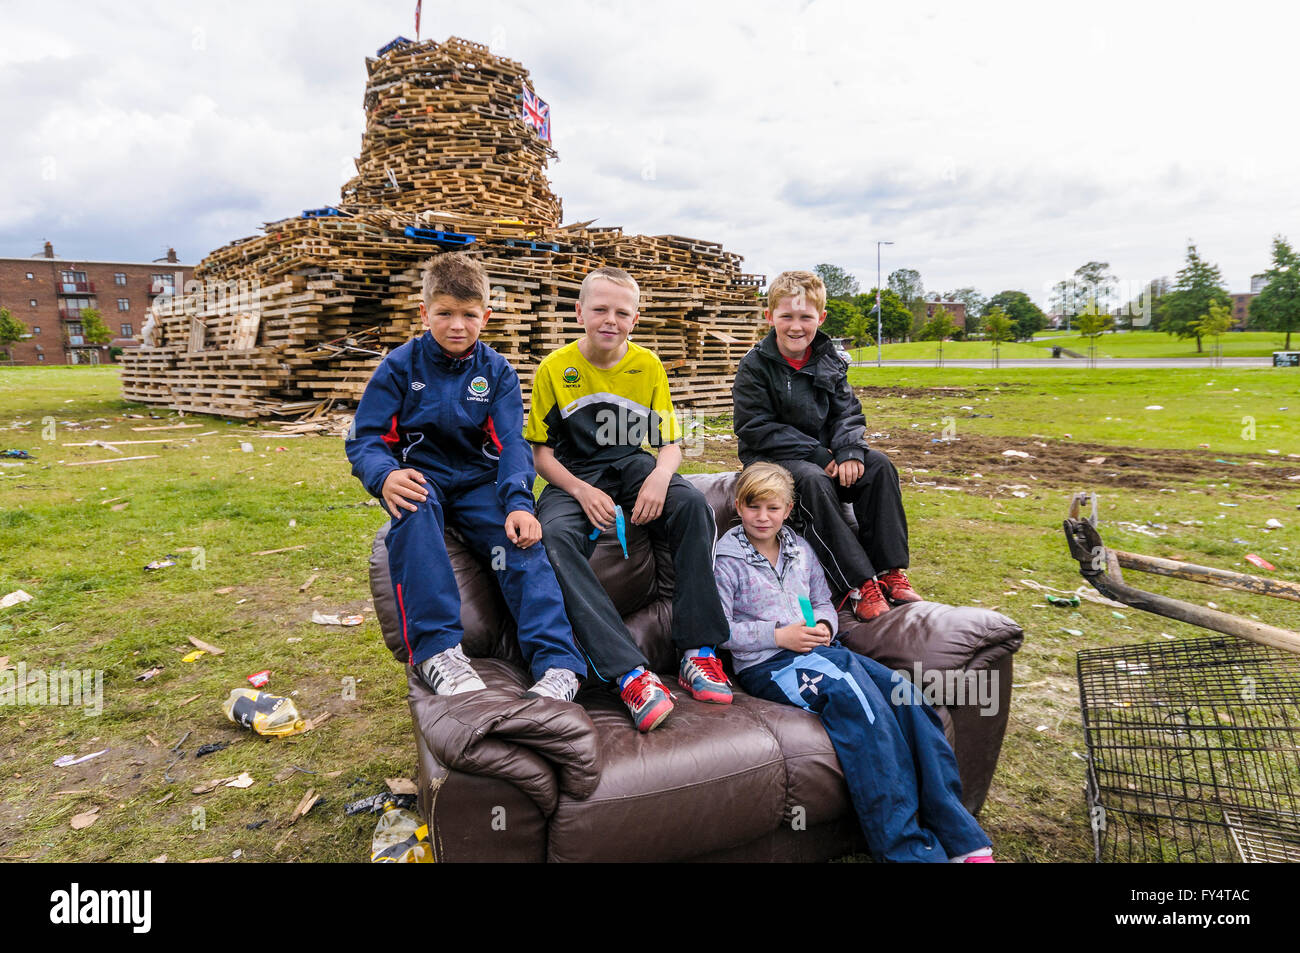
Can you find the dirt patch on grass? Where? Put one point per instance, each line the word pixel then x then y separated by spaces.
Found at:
pixel 1053 463
pixel 862 393
pixel 1068 463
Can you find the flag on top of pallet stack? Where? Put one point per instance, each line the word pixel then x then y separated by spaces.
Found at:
pixel 537 114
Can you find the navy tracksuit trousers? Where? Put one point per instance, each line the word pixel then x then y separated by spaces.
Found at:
pixel 429 601
pixel 901 771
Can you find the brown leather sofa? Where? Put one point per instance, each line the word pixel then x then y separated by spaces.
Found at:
pixel 537 780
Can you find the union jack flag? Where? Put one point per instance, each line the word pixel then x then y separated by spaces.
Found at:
pixel 537 114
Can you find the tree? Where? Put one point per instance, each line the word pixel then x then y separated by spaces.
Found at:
pixel 1213 324
pixel 1026 317
pixel 998 327
pixel 839 316
pixel 1061 300
pixel 862 330
pixel 906 283
pixel 975 304
pixel 93 328
pixel 1277 307
pixel 1196 286
pixel 1095 285
pixel 938 328
pixel 896 320
pixel 11 332
pixel 1093 323
pixel 839 283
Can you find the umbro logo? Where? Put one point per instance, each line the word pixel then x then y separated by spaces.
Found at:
pixel 417 385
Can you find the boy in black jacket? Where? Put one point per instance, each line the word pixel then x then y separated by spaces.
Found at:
pixel 793 406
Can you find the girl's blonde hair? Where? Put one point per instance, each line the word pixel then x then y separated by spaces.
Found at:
pixel 763 481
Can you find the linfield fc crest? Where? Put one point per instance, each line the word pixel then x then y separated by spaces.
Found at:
pixel 570 375
pixel 478 386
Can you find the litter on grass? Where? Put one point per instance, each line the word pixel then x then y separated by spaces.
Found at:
pixel 67 760
pixel 321 618
pixel 263 712
pixel 170 560
pixel 1260 562
pixel 193 656
pixel 14 598
pixel 259 679
pixel 375 803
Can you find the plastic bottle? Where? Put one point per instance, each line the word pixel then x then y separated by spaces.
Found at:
pixel 263 712
pixel 400 838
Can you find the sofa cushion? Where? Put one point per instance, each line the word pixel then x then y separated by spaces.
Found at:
pixel 815 791
pixel 938 636
pixel 540 745
pixel 712 777
pixel 632 582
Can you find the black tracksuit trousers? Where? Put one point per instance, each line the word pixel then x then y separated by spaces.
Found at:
pixel 880 543
pixel 688 525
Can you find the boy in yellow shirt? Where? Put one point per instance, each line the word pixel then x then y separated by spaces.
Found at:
pixel 594 402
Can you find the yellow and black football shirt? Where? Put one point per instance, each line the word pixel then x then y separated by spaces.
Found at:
pixel 592 417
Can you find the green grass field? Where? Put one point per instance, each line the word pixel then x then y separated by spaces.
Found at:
pixel 1149 344
pixel 76 538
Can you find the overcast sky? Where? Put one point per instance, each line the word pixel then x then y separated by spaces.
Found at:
pixel 998 145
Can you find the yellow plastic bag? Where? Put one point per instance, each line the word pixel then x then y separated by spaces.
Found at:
pixel 263 712
pixel 400 838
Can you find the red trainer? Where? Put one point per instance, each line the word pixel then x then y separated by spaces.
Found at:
pixel 703 677
pixel 871 602
pixel 897 588
pixel 647 700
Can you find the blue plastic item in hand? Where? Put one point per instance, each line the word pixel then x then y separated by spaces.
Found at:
pixel 808 618
pixel 620 529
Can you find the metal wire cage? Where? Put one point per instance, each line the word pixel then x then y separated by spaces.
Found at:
pixel 1193 751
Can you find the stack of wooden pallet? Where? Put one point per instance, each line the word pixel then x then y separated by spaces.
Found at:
pixel 295 319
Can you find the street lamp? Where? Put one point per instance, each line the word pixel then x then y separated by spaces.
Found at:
pixel 879 320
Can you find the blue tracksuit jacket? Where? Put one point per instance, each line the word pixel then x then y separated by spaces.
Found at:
pixel 458 420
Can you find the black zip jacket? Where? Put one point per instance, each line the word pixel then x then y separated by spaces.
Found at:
pixel 809 414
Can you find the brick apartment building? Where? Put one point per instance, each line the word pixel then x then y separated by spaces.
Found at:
pixel 48 294
pixel 956 311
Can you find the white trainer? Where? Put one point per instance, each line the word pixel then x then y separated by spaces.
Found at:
pixel 449 673
pixel 557 683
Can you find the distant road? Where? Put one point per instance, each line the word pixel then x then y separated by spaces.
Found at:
pixel 1102 362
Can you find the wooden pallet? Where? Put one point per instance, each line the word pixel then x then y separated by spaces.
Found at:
pixel 322 298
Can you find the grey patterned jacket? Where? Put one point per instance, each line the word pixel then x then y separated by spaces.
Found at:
pixel 760 598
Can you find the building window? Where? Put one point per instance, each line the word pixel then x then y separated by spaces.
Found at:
pixel 163 283
pixel 75 329
pixel 30 276
pixel 33 302
pixel 40 357
pixel 119 278
pixel 72 277
pixel 36 329
pixel 127 332
pixel 123 304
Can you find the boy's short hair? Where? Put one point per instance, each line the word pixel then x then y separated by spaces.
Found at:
pixel 797 284
pixel 617 275
pixel 456 276
pixel 763 481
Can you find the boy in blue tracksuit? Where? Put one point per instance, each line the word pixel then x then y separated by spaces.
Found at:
pixel 438 438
